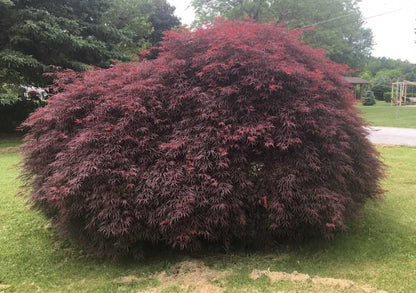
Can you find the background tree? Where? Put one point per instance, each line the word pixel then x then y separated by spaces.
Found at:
pixel 73 34
pixel 68 34
pixel 162 19
pixel 384 71
pixel 141 21
pixel 338 23
pixel 387 70
pixel 207 10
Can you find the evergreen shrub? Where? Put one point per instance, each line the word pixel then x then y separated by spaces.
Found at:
pixel 369 99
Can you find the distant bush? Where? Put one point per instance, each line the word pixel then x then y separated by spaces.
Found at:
pixel 235 132
pixel 379 91
pixel 369 99
pixel 387 97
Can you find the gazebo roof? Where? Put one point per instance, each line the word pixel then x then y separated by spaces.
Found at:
pixel 356 80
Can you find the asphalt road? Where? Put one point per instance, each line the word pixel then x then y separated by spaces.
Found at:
pixel 392 135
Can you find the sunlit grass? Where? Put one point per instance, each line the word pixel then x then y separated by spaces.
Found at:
pixel 384 114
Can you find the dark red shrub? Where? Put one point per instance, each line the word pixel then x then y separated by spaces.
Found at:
pixel 235 132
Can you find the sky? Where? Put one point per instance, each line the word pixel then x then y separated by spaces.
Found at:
pixel 393 23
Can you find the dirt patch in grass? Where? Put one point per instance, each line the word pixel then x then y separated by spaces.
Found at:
pixel 4 286
pixel 190 276
pixel 280 276
pixel 338 283
pixel 195 276
pixel 9 150
pixel 318 284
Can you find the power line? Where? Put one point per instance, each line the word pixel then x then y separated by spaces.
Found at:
pixel 351 13
pixel 387 12
pixel 329 20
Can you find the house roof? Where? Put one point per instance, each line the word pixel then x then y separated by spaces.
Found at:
pixel 356 80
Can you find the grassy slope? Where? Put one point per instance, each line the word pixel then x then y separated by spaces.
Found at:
pixel 378 250
pixel 383 114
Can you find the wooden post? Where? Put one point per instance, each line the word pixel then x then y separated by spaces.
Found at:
pixel 405 92
pixel 392 94
pixel 397 91
pixel 400 93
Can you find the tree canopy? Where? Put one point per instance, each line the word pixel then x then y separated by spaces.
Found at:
pixel 73 34
pixel 338 23
pixel 385 70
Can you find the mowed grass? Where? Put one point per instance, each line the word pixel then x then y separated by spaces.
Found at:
pixel 9 140
pixel 384 114
pixel 379 249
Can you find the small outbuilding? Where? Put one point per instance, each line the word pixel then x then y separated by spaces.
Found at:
pixel 360 85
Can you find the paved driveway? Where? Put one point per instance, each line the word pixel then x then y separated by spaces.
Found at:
pixel 392 135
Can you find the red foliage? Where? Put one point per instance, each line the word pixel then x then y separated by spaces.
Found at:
pixel 236 131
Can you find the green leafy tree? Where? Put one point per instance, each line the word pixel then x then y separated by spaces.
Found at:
pixel 207 10
pixel 73 34
pixel 36 34
pixel 379 90
pixel 135 27
pixel 142 29
pixel 338 23
pixel 386 70
pixel 162 19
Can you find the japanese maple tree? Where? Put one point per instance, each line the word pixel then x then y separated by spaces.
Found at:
pixel 236 132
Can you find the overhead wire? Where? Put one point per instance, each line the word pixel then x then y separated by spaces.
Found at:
pixel 351 13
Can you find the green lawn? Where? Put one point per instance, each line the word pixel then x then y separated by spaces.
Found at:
pixel 383 114
pixel 9 140
pixel 378 250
